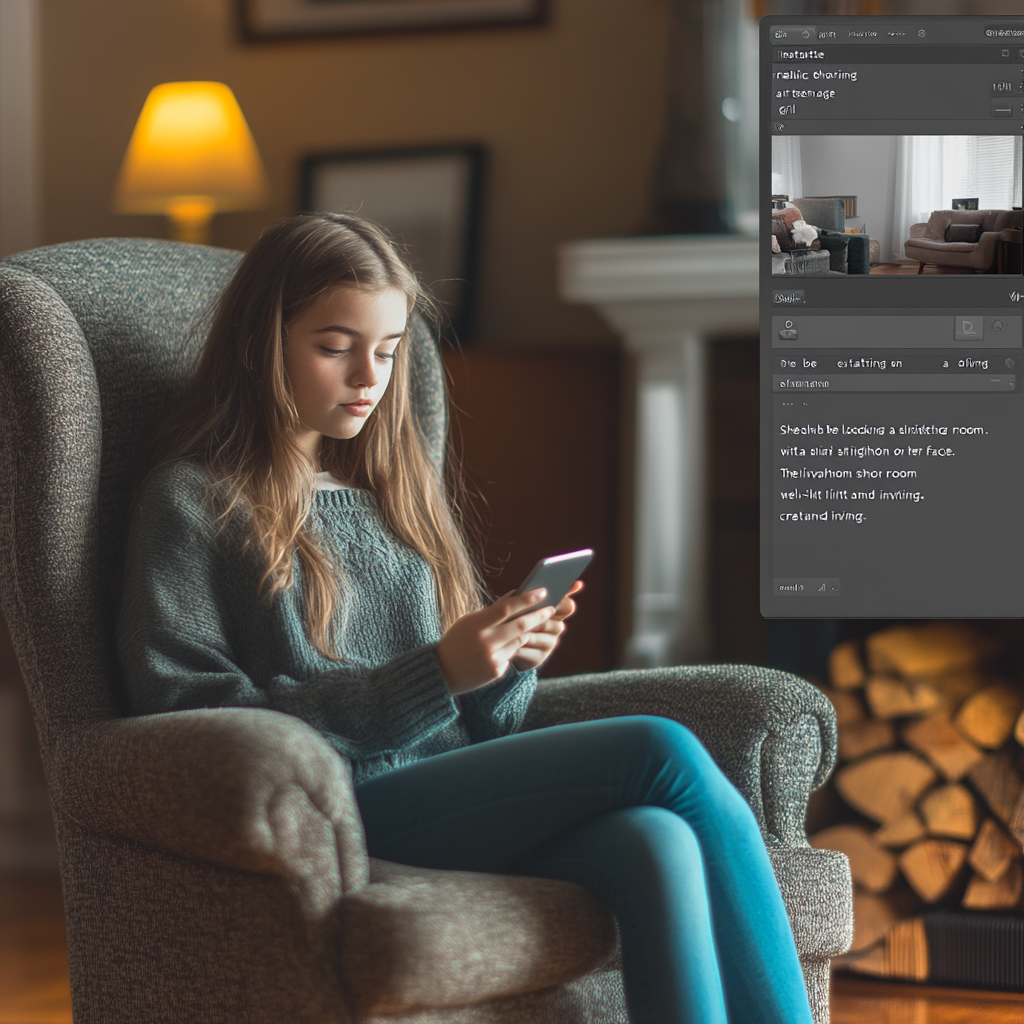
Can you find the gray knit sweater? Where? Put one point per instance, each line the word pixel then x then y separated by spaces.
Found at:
pixel 193 632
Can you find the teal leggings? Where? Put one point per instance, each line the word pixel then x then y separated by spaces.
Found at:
pixel 635 810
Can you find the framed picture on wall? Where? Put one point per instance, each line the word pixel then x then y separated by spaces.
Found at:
pixel 288 19
pixel 427 198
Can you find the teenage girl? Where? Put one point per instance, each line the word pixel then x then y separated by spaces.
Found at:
pixel 293 547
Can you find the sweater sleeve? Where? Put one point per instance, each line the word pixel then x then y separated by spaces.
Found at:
pixel 499 708
pixel 174 642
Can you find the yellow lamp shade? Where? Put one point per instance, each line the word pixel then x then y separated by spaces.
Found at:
pixel 190 155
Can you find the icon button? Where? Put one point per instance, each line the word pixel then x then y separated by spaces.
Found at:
pixel 998 326
pixel 1001 108
pixel 969 328
pixel 791 33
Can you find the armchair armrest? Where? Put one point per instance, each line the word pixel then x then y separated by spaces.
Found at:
pixel 987 247
pixel 918 230
pixel 244 788
pixel 773 734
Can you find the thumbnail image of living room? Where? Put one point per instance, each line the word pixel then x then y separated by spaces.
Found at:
pixel 896 204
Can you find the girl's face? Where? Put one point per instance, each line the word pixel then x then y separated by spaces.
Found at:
pixel 338 357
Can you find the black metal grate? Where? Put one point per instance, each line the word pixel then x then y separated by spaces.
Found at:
pixel 976 950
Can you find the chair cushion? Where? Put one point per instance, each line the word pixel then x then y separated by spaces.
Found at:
pixel 810 262
pixel 417 938
pixel 828 213
pixel 938 245
pixel 963 232
pixel 937 224
pixel 782 229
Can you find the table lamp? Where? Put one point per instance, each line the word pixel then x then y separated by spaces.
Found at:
pixel 191 155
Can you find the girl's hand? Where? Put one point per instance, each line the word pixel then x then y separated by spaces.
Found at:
pixel 541 643
pixel 479 647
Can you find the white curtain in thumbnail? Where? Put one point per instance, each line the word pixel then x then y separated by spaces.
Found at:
pixel 933 170
pixel 787 174
pixel 918 184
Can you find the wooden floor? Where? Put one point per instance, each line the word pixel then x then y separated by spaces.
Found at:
pixel 34 986
pixel 909 269
pixel 34 975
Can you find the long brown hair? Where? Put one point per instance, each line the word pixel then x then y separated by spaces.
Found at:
pixel 240 422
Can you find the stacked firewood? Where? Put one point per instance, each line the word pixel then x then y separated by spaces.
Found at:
pixel 930 779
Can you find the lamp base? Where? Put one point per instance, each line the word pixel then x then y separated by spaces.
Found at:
pixel 190 219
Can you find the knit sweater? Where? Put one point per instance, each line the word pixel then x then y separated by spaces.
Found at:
pixel 193 631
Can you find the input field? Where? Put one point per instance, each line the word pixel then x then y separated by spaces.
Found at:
pixel 822 382
pixel 846 331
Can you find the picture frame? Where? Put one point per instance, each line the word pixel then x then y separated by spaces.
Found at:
pixel 263 20
pixel 965 204
pixel 428 198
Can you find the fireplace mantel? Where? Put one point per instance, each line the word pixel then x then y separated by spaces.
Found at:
pixel 665 297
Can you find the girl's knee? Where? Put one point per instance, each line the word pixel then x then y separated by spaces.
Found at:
pixel 673 744
pixel 653 833
pixel 652 732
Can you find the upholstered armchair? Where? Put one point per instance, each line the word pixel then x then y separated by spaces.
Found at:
pixel 965 241
pixel 213 861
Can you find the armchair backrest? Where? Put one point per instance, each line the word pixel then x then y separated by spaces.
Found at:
pixel 829 214
pixel 96 341
pixel 990 220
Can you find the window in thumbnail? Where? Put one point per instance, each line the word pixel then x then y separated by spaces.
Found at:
pixel 896 204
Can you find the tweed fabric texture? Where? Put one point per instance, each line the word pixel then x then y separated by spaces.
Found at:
pixel 407 934
pixel 282 803
pixel 160 939
pixel 223 910
pixel 818 892
pixel 596 998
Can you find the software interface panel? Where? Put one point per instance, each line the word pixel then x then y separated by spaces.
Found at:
pixel 892 470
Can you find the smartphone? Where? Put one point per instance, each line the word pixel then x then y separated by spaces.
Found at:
pixel 557 575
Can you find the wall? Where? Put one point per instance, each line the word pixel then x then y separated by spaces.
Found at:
pixel 572 113
pixel 548 482
pixel 859 165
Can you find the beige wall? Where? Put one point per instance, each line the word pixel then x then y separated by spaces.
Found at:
pixel 571 113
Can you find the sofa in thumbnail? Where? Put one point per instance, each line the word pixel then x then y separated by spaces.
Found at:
pixel 888 204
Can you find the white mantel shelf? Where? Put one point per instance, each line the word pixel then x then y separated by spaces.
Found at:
pixel 665 297
pixel 688 267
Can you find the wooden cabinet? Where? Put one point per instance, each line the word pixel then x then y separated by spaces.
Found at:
pixel 540 435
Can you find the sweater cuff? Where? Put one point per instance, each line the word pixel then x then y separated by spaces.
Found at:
pixel 426 703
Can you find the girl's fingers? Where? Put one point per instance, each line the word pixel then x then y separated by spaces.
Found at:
pixel 520 624
pixel 508 650
pixel 511 606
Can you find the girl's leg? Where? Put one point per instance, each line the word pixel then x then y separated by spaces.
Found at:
pixel 493 806
pixel 647 865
